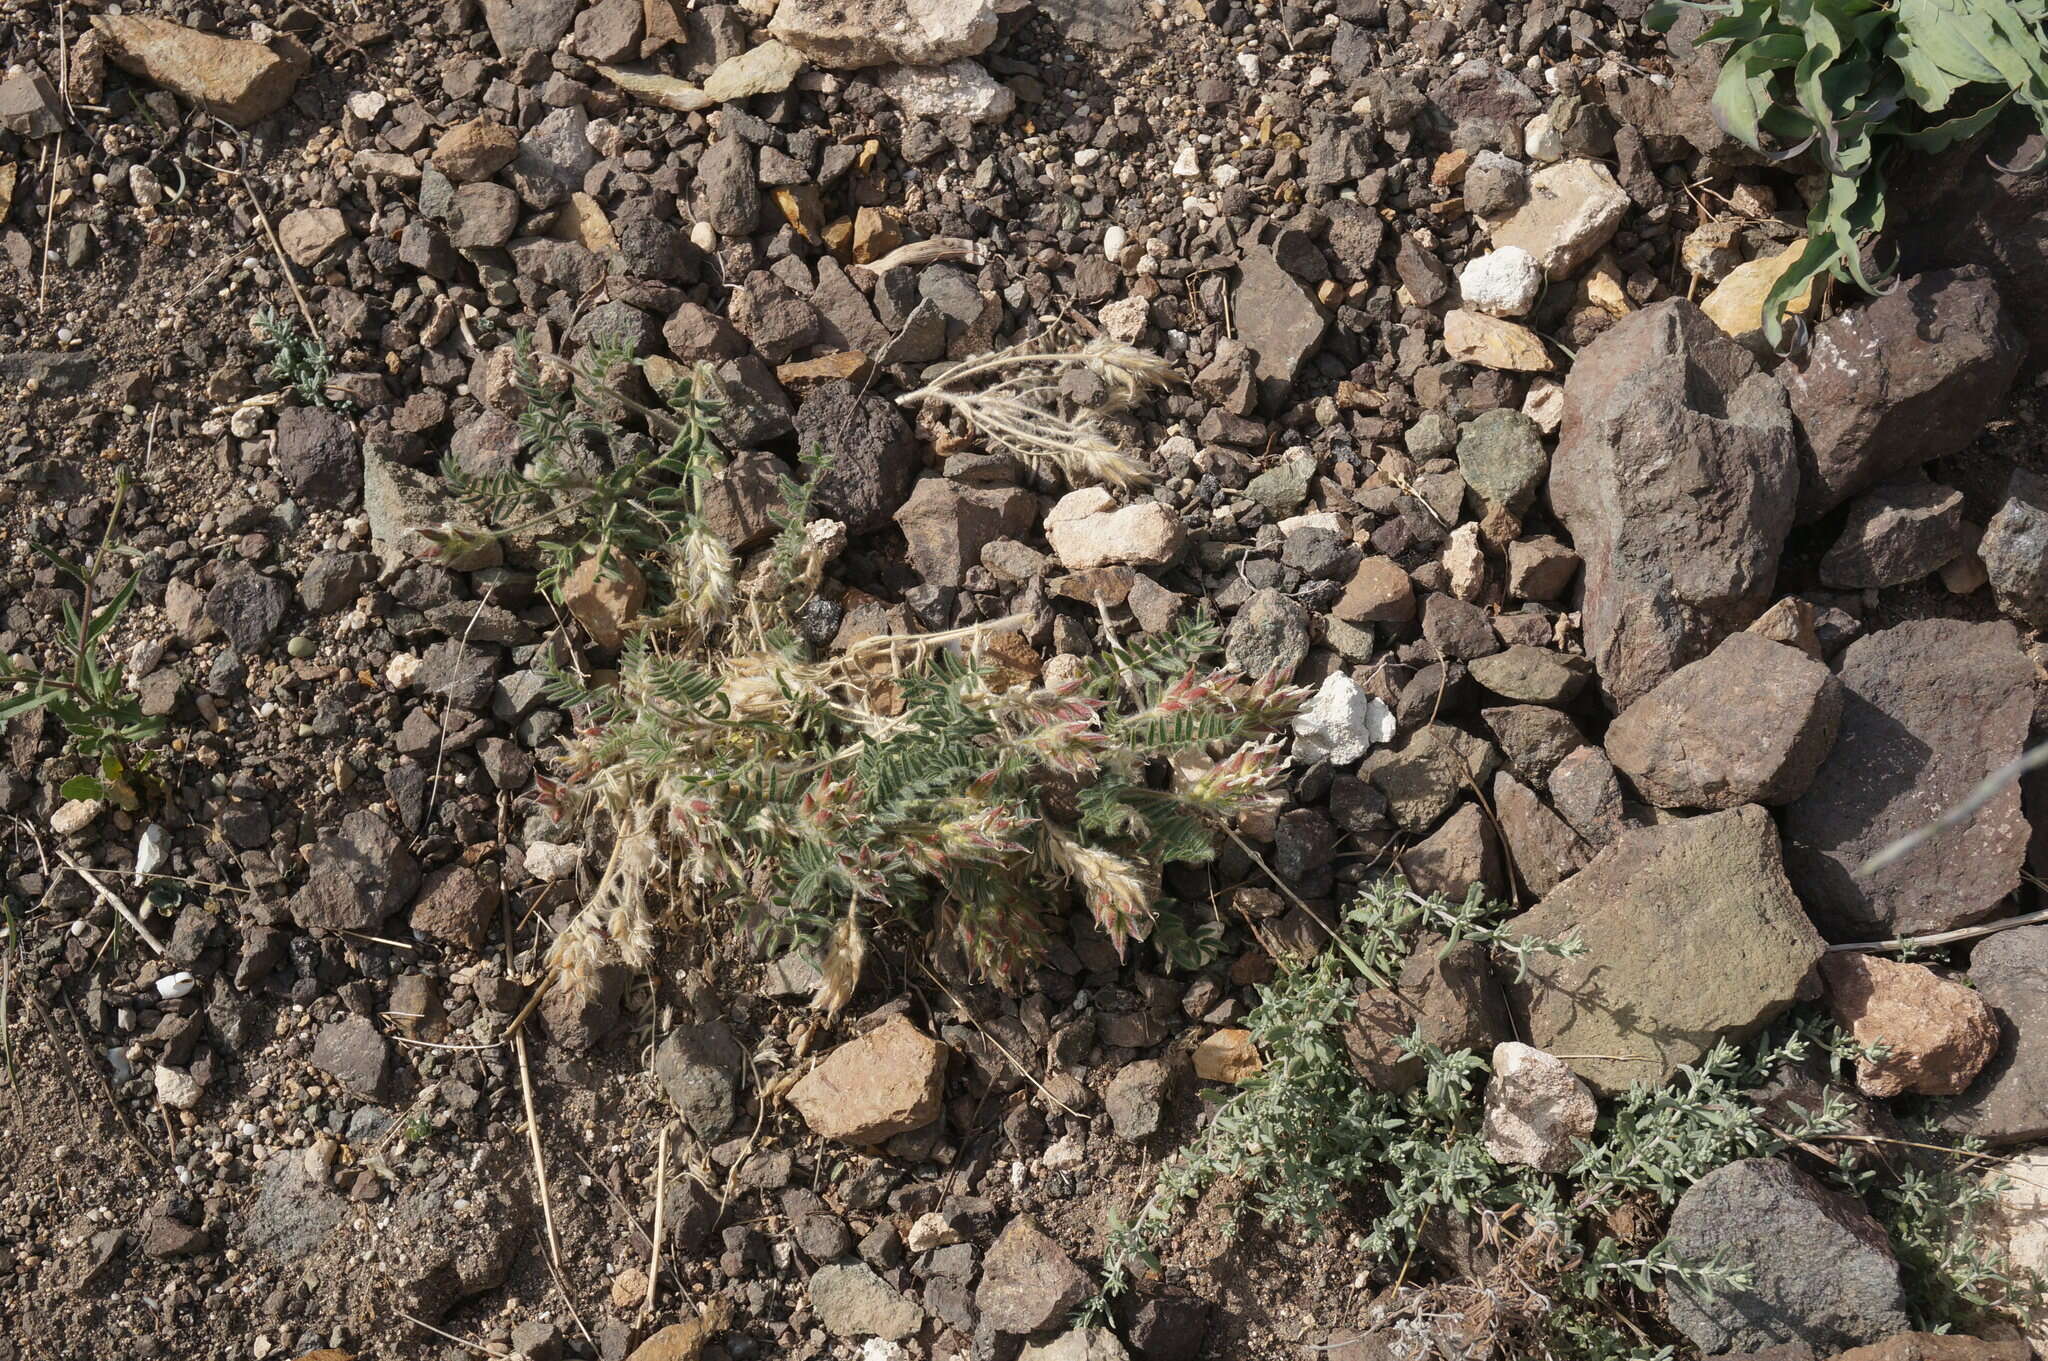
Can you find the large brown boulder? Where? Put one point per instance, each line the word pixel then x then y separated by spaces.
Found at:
pixel 1675 473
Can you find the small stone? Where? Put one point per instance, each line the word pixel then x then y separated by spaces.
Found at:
pixel 1136 1099
pixel 310 233
pixel 1573 210
pixel 1276 317
pixel 1749 723
pixel 1501 283
pixel 852 1301
pixel 1535 1109
pixel 1379 592
pixel 1938 1034
pixel 605 595
pixel 1502 458
pixel 1078 1344
pixel 699 1067
pixel 867 1090
pixel 1494 343
pixel 1540 568
pixel 959 89
pixel 1086 529
pixel 475 150
pixel 1028 1282
pixel 843 36
pixel 356 1055
pixel 1532 675
pixel 1896 534
pixel 1820 1274
pixel 2014 550
pixel 1737 303
pixel 1270 635
pixel 1227 1056
pixel 177 1088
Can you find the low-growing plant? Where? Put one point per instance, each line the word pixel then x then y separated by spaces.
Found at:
pixel 919 778
pixel 88 694
pixel 1853 83
pixel 298 360
pixel 591 487
pixel 1581 1260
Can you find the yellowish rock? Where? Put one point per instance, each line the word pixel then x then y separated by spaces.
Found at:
pixel 804 209
pixel 876 232
pixel 581 220
pixel 764 70
pixel 1227 1056
pixel 1737 303
pixel 236 80
pixel 604 602
pixel 1494 343
pixel 1607 290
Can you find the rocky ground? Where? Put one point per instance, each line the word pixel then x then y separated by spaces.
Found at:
pixel 1605 606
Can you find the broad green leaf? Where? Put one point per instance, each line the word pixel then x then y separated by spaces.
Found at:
pixel 82 787
pixel 27 703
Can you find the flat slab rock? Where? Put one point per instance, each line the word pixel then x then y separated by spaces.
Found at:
pixel 885 1083
pixel 1691 933
pixel 1930 707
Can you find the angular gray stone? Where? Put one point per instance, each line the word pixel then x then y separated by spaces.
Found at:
pixel 1658 982
pixel 248 606
pixel 1822 1275
pixel 727 195
pixel 316 452
pixel 353 1053
pixel 1276 316
pixel 360 874
pixel 1461 853
pixel 1270 633
pixel 699 1066
pixel 1533 738
pixel 946 525
pixel 1895 534
pixel 1930 708
pixel 1136 1098
pixel 1749 723
pixel 528 25
pixel 2015 549
pixel 852 1302
pixel 1675 472
pixel 871 455
pixel 1541 846
pixel 1028 1283
pixel 1532 675
pixel 2008 1103
pixel 1911 376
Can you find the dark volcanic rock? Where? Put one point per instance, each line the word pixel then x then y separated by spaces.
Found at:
pixel 1821 1271
pixel 2008 1103
pixel 361 873
pixel 1675 472
pixel 871 456
pixel 1912 376
pixel 1930 708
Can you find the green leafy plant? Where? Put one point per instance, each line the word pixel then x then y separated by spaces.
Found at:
pixel 1579 1253
pixel 298 360
pixel 591 486
pixel 89 695
pixel 1853 82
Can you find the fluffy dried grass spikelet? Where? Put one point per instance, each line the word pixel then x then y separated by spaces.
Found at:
pixel 1013 400
pixel 839 974
pixel 615 923
pixel 1119 895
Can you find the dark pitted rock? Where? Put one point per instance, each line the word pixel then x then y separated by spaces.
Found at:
pixel 1675 472
pixel 1821 1272
pixel 699 1066
pixel 316 452
pixel 1896 534
pixel 1748 723
pixel 1028 1283
pixel 356 1055
pixel 360 874
pixel 1276 316
pixel 248 606
pixel 1930 708
pixel 1657 984
pixel 2008 1104
pixel 2015 549
pixel 1533 738
pixel 871 456
pixel 1911 376
pixel 521 26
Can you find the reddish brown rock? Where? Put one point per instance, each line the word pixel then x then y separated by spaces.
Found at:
pixel 1938 1034
pixel 1459 854
pixel 1542 847
pixel 885 1083
pixel 1749 723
